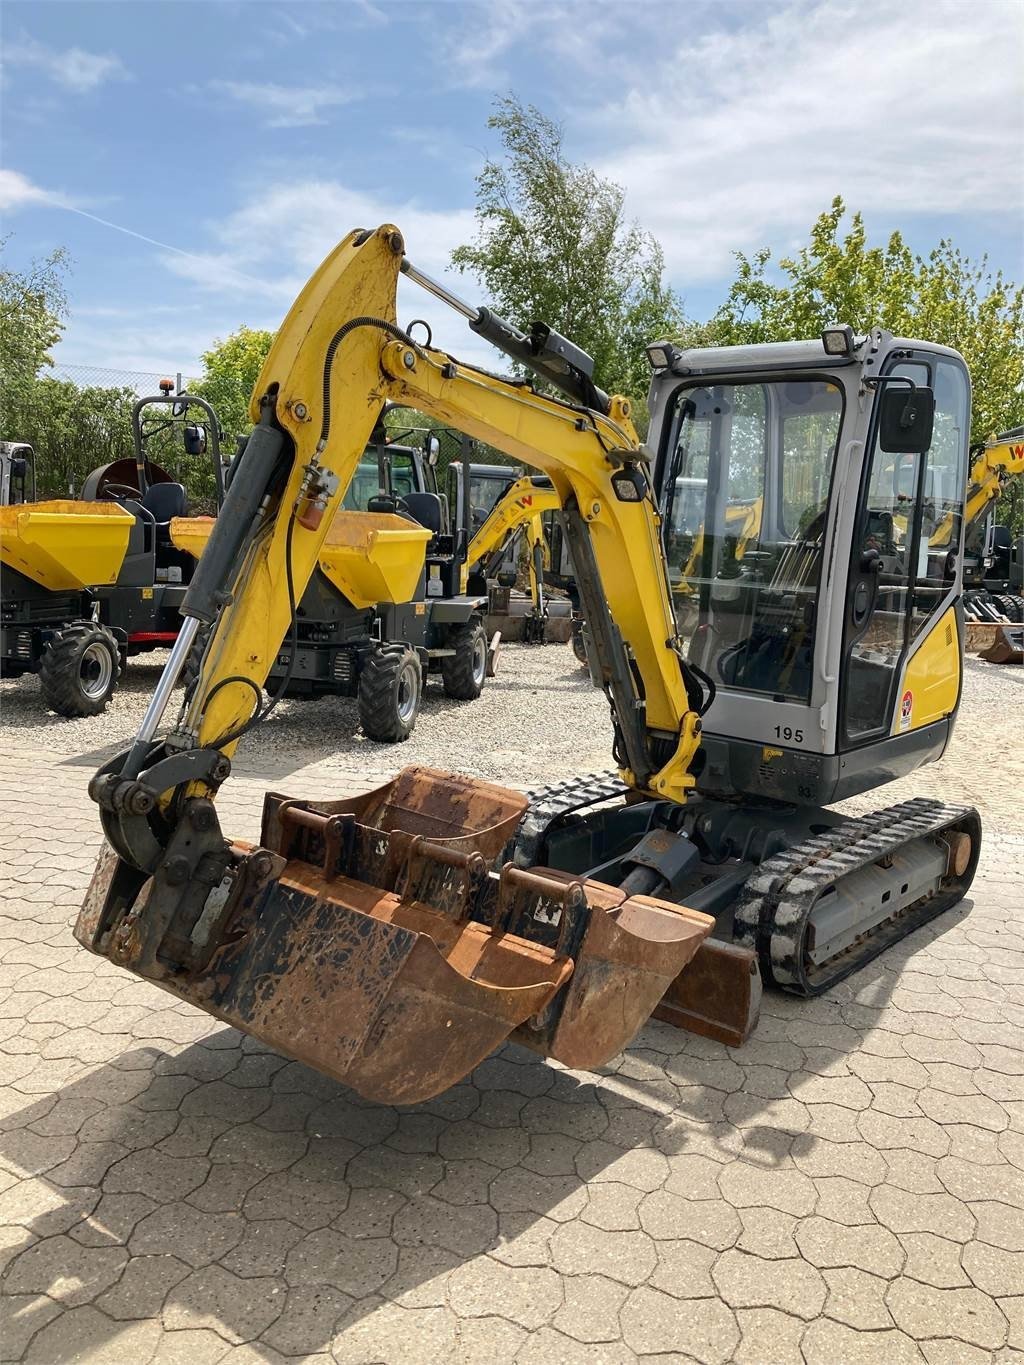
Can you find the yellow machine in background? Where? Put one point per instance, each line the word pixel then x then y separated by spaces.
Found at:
pixel 65 545
pixel 390 940
pixel 517 517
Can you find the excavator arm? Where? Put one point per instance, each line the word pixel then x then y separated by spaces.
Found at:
pixel 998 461
pixel 367 937
pixel 518 512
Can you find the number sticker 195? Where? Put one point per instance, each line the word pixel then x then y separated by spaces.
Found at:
pixel 787 732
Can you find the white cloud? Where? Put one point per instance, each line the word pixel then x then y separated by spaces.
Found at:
pixel 17 191
pixel 284 106
pixel 74 68
pixel 283 234
pixel 742 136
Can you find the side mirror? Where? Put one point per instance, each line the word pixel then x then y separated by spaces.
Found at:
pixel 194 438
pixel 905 419
pixel 433 451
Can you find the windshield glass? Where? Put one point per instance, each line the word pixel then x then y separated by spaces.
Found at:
pixel 748 483
pixel 366 484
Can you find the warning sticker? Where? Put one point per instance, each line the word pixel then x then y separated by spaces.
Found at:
pixel 906 710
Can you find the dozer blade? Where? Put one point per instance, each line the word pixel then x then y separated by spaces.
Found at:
pixel 717 996
pixel 368 939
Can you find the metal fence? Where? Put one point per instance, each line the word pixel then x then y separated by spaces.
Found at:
pixel 100 377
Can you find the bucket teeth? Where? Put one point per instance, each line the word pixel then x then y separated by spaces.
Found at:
pixel 383 952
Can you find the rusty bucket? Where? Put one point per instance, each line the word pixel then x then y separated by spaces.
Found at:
pixel 370 939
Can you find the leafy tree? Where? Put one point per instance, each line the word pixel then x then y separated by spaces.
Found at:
pixel 32 308
pixel 943 297
pixel 230 370
pixel 553 243
pixel 72 431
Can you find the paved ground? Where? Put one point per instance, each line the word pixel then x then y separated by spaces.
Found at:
pixel 848 1187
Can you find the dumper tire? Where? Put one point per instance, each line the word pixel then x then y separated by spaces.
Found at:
pixel 79 670
pixel 579 645
pixel 464 673
pixel 390 693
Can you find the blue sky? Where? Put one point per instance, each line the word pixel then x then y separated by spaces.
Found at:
pixel 243 139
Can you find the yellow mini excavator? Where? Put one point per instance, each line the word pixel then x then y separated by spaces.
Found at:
pixel 518 513
pixel 392 940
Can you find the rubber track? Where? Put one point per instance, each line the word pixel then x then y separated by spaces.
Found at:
pixel 778 900
pixel 548 804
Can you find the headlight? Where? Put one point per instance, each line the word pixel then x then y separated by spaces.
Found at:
pixel 837 340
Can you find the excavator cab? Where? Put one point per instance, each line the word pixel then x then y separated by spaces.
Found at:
pixel 827 551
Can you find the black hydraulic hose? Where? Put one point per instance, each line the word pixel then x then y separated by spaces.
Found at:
pixel 382 325
pixel 709 689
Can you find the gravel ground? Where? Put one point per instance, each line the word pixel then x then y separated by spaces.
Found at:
pixel 539 720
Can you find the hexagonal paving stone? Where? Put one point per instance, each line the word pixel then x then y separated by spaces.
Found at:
pixel 871 1248
pixel 142 1289
pixel 183 1231
pixel 933 1260
pixel 747 1186
pixel 965 1314
pixel 529 1296
pixel 464 1230
pixel 703 1329
pixel 238 1309
pixel 355 1266
pixel 577 1248
pixel 857 1298
pixel 65 1270
pixel 746 1281
pixel 768 1335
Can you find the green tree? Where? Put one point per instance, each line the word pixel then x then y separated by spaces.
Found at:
pixel 33 304
pixel 943 297
pixel 230 370
pixel 553 243
pixel 72 431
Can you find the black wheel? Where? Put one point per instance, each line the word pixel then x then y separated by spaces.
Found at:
pixel 390 692
pixel 1005 605
pixel 78 672
pixel 464 673
pixel 1018 607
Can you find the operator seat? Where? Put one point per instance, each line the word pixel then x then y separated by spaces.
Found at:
pixel 426 509
pixel 164 501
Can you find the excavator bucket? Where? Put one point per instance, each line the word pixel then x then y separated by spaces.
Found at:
pixel 370 939
pixel 1007 647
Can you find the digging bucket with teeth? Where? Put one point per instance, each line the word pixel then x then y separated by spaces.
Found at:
pixel 369 938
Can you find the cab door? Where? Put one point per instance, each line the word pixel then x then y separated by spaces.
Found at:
pixel 905 567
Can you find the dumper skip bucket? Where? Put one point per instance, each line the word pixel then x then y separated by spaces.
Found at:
pixel 370 939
